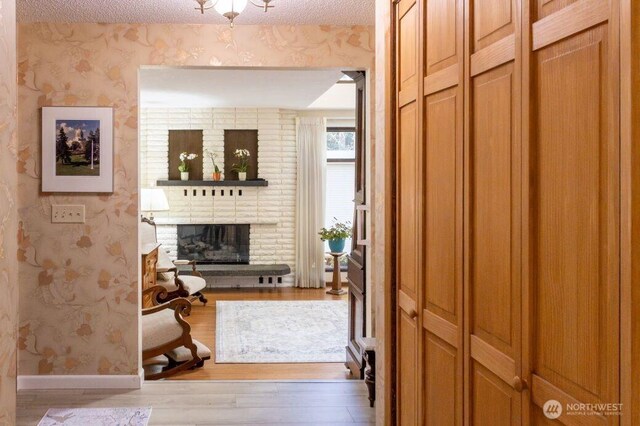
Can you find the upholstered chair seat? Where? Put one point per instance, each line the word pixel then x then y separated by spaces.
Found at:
pixel 190 283
pixel 182 354
pixel 159 329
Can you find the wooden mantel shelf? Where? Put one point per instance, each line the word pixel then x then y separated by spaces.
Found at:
pixel 255 182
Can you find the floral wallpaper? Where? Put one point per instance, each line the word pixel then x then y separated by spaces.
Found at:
pixel 79 283
pixel 8 221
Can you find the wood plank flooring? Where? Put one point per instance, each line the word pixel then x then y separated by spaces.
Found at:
pixel 191 403
pixel 203 328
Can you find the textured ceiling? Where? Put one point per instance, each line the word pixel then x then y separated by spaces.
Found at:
pixel 286 12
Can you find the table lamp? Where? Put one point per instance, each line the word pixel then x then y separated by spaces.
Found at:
pixel 153 200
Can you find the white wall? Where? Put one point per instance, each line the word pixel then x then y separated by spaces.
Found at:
pixel 269 210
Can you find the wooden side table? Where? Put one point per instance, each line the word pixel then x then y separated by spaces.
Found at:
pixel 149 254
pixel 336 285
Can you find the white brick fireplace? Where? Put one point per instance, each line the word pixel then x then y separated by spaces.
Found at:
pixel 269 210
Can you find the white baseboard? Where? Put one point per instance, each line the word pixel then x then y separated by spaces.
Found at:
pixel 81 382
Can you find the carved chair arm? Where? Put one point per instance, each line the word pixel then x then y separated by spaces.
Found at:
pixel 178 282
pixel 157 292
pixel 193 263
pixel 181 307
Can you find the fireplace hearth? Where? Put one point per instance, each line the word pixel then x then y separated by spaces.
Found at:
pixel 214 244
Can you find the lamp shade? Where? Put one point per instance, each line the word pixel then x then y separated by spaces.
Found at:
pixel 230 7
pixel 153 200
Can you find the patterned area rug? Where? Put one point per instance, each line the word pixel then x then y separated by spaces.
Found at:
pixel 281 331
pixel 96 417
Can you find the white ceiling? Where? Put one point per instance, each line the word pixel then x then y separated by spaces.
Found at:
pixel 244 88
pixel 338 96
pixel 285 12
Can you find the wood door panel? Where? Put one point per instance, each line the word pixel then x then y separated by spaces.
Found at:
pixel 493 403
pixel 507 209
pixel 357 258
pixel 539 419
pixel 575 224
pixel 441 382
pixel 356 332
pixel 569 21
pixel 492 20
pixel 408 47
pixel 408 155
pixel 542 391
pixel 407 377
pixel 441 34
pixel 440 248
pixel 492 288
pixel 408 152
pixel 543 8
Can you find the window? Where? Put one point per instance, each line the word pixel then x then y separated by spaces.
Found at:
pixel 341 172
pixel 341 144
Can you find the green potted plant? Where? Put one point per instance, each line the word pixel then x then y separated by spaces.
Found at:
pixel 243 163
pixel 336 235
pixel 217 174
pixel 184 164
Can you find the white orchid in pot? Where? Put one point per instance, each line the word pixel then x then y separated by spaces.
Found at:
pixel 184 164
pixel 217 174
pixel 243 163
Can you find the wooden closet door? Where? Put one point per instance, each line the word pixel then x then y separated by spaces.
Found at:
pixel 493 334
pixel 442 328
pixel 572 276
pixel 409 188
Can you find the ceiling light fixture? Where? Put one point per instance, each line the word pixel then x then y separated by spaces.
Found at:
pixel 230 9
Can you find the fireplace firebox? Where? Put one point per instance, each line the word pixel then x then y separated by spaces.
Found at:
pixel 214 244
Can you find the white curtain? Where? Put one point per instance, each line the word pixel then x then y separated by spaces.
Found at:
pixel 312 166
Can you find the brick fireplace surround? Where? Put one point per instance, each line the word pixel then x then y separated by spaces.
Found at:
pixel 269 210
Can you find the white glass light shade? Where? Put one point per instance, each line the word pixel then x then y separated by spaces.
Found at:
pixel 153 200
pixel 230 7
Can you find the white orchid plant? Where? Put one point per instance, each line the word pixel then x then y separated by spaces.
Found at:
pixel 184 158
pixel 213 157
pixel 243 160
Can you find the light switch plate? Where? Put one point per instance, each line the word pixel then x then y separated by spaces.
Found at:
pixel 71 213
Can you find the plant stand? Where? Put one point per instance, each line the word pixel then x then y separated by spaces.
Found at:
pixel 336 285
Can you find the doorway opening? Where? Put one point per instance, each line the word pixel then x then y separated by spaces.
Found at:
pixel 239 171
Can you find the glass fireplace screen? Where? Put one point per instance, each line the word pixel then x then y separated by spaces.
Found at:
pixel 214 244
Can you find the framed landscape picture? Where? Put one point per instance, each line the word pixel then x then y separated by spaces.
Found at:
pixel 77 149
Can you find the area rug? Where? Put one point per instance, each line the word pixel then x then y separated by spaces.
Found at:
pixel 281 331
pixel 97 416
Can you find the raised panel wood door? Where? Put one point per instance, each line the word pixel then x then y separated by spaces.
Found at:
pixel 572 278
pixel 408 223
pixel 442 318
pixel 357 256
pixel 493 332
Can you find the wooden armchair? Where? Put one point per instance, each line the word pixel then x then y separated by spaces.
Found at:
pixel 189 286
pixel 164 329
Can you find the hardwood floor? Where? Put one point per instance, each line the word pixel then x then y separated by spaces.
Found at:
pixel 203 326
pixel 202 403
